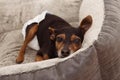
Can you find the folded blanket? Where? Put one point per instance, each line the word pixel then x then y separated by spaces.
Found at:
pixel 34 43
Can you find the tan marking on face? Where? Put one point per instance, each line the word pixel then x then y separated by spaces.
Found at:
pixel 59 45
pixel 61 35
pixel 52 33
pixel 74 37
pixel 74 46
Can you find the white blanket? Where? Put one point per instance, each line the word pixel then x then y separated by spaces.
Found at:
pixel 34 43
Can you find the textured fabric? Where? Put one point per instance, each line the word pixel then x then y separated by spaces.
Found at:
pixel 97 12
pixel 14 14
pixel 101 61
pixel 108 43
pixel 83 66
pixel 10 43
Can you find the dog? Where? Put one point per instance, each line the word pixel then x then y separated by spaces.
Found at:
pixel 56 37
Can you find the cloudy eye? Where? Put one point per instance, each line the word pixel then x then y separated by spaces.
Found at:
pixel 59 39
pixel 76 41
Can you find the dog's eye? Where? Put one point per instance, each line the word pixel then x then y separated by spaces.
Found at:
pixel 59 39
pixel 76 41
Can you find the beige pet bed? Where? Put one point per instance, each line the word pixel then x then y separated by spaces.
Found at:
pixel 98 59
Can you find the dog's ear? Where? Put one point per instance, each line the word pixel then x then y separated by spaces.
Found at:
pixel 52 33
pixel 86 23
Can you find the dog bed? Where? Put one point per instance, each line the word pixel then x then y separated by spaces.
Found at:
pixel 98 59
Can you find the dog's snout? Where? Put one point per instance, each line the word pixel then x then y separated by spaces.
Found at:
pixel 65 52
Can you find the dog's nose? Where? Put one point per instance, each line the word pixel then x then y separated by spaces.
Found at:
pixel 65 52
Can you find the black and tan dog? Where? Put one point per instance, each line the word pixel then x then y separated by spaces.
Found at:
pixel 56 37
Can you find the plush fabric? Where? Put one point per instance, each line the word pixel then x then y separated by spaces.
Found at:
pixel 108 43
pixel 13 15
pixel 100 60
pixel 97 12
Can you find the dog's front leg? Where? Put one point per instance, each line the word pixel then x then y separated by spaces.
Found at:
pixel 41 56
pixel 29 37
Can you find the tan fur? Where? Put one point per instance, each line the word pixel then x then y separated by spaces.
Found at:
pixel 45 56
pixel 59 45
pixel 74 47
pixel 28 38
pixel 38 58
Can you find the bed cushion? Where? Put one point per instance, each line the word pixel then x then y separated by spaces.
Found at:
pixel 14 14
pixel 98 61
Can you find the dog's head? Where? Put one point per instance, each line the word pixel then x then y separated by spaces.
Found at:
pixel 69 39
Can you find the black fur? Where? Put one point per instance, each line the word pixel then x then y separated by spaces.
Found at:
pixel 47 46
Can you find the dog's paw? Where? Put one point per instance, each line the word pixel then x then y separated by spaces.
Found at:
pixel 19 59
pixel 38 58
